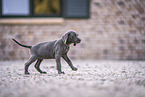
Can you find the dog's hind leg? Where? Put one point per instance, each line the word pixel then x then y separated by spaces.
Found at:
pixel 28 63
pixel 37 66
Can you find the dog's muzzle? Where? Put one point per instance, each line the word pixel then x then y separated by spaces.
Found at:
pixel 77 41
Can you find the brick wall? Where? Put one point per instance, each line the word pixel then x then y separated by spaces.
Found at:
pixel 115 30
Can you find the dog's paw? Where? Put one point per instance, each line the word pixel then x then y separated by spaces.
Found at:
pixel 74 69
pixel 44 72
pixel 61 72
pixel 27 73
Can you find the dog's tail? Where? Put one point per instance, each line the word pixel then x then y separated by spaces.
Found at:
pixel 22 44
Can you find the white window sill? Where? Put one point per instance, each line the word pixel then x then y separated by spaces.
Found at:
pixel 31 21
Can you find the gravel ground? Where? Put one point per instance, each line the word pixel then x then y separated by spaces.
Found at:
pixel 93 79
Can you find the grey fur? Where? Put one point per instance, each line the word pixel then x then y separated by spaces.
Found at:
pixel 52 50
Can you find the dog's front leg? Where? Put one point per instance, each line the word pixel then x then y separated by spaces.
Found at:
pixel 58 63
pixel 65 57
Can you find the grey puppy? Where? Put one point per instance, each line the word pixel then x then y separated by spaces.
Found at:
pixel 52 50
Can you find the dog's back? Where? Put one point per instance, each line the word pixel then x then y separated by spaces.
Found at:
pixel 44 50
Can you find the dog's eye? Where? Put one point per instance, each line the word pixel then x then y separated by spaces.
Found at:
pixel 76 35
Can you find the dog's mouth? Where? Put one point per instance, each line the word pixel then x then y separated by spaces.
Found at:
pixel 77 42
pixel 74 44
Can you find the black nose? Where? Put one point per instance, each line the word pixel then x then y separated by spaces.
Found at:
pixel 79 39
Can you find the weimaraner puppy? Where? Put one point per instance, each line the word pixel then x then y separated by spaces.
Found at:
pixel 52 50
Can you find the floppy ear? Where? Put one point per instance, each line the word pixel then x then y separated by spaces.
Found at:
pixel 65 37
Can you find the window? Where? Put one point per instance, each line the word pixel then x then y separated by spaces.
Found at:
pixel 9 7
pixel 76 8
pixel 47 7
pixel 44 8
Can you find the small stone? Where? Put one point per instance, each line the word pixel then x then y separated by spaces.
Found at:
pixel 80 79
pixel 52 66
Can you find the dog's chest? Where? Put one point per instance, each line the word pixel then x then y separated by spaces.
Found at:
pixel 65 49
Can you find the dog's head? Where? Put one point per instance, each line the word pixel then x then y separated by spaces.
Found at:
pixel 71 37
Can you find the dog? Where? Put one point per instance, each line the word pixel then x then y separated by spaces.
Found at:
pixel 52 50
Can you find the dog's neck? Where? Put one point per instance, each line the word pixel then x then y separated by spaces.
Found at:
pixel 66 44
